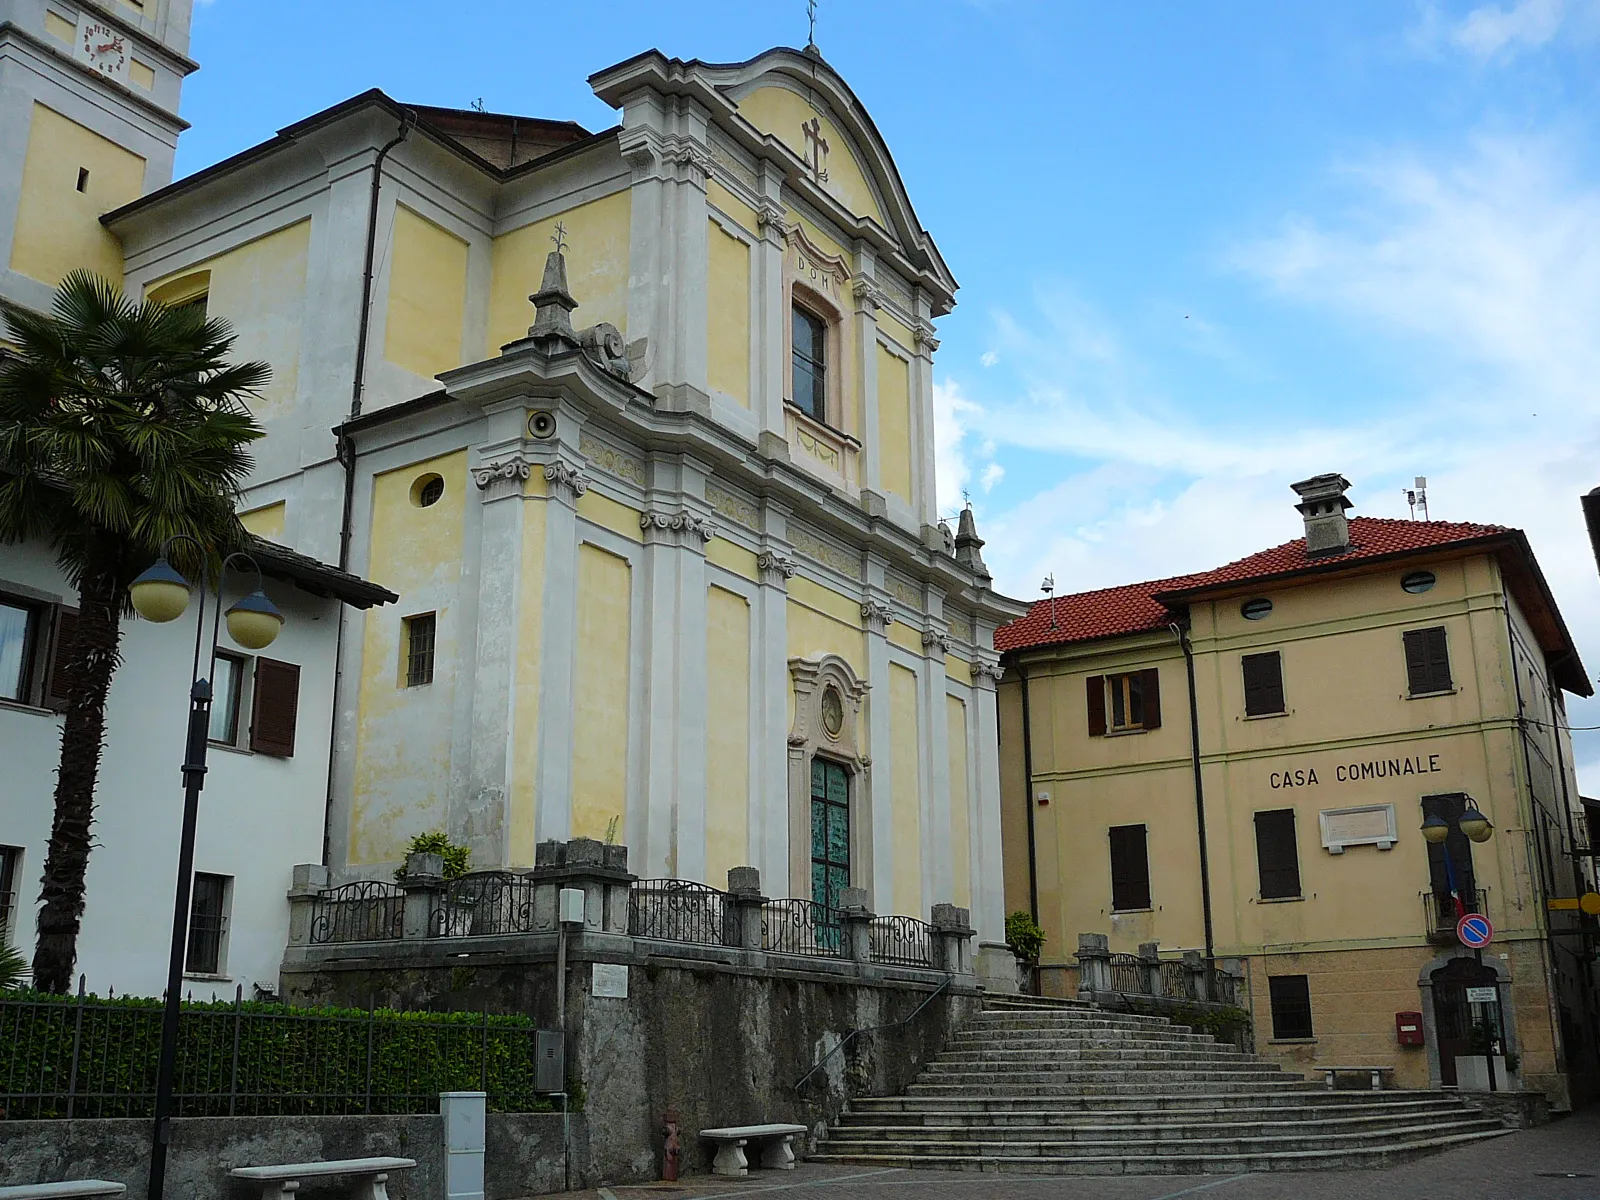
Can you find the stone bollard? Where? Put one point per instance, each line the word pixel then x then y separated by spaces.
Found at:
pixel 598 869
pixel 855 920
pixel 309 880
pixel 1150 967
pixel 1194 966
pixel 423 884
pixel 1094 964
pixel 742 922
pixel 953 934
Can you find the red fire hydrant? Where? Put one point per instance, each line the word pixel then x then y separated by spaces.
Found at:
pixel 672 1149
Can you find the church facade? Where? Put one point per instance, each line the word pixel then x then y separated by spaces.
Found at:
pixel 639 426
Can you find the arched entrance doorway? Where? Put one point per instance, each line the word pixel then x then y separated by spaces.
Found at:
pixel 1453 1013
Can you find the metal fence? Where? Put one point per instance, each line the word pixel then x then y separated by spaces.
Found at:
pixel 368 910
pixel 802 927
pixel 679 910
pixel 1127 974
pixel 1174 979
pixel 93 1057
pixel 482 904
pixel 1440 914
pixel 903 940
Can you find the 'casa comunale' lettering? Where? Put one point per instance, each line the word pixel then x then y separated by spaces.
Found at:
pixel 1378 768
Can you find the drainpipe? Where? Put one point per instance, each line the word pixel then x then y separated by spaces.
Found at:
pixel 345 450
pixel 1027 796
pixel 1182 634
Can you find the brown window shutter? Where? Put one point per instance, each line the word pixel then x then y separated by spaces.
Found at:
pixel 55 685
pixel 1130 868
pixel 1427 660
pixel 1263 683
pixel 1438 659
pixel 1277 858
pixel 1150 682
pixel 1097 705
pixel 272 716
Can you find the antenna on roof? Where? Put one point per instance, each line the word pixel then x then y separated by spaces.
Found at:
pixel 476 105
pixel 1417 496
pixel 1048 587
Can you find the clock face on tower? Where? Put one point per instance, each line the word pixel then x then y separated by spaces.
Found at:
pixel 103 48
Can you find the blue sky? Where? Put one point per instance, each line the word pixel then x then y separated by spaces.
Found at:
pixel 1204 249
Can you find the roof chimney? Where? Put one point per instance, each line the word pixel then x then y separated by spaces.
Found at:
pixel 1322 504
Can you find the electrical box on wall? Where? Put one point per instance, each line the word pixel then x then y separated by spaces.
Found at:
pixel 1408 1028
pixel 571 906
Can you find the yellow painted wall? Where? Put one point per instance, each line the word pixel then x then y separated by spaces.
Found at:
pixel 59 27
pixel 905 805
pixel 821 621
pixel 733 557
pixel 597 268
pixel 730 205
pixel 727 732
pixel 960 831
pixel 266 521
pixel 906 637
pixel 728 314
pixel 141 74
pixel 58 227
pixel 523 834
pixel 402 763
pixel 427 295
pixel 610 514
pixel 600 710
pixel 260 289
pixel 958 669
pixel 782 113
pixel 894 424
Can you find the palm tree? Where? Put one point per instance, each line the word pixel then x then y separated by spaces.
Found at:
pixel 122 424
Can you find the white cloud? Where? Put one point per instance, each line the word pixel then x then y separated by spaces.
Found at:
pixel 1495 32
pixel 988 358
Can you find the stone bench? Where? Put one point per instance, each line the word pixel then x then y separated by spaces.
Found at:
pixel 281 1182
pixel 70 1187
pixel 777 1152
pixel 1377 1074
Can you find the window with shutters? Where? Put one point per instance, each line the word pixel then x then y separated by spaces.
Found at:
pixel 227 692
pixel 208 924
pixel 1291 1007
pixel 1277 859
pixel 10 867
pixel 421 631
pixel 1127 703
pixel 1130 869
pixel 274 708
pixel 1263 684
pixel 1427 661
pixel 34 635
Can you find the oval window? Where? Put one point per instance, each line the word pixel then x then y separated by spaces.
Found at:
pixel 832 712
pixel 425 492
pixel 1418 581
pixel 1254 610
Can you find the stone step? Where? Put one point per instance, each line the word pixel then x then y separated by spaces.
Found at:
pixel 1119 1054
pixel 1084 1088
pixel 1398 1150
pixel 1066 1020
pixel 1097 1128
pixel 1223 1106
pixel 938 1072
pixel 1034 1003
pixel 937 1114
pixel 1100 1037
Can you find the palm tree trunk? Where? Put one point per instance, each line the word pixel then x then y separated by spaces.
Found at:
pixel 89 665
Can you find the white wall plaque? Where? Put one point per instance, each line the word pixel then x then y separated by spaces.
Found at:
pixel 1364 825
pixel 609 980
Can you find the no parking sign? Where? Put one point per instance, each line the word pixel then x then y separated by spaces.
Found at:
pixel 1474 931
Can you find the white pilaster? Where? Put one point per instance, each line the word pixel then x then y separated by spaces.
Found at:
pixel 565 483
pixel 867 299
pixel 880 744
pixel 937 875
pixel 988 867
pixel 769 782
pixel 772 312
pixel 926 501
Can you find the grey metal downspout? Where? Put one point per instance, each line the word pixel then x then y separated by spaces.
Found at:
pixel 1027 796
pixel 345 451
pixel 1199 787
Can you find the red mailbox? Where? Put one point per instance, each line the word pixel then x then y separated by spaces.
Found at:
pixel 1408 1028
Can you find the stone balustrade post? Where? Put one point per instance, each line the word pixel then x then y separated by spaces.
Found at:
pixel 1194 966
pixel 1094 964
pixel 1150 967
pixel 309 880
pixel 953 934
pixel 422 881
pixel 742 922
pixel 596 868
pixel 856 924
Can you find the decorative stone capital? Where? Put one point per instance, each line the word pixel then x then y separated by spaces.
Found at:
pixel 923 336
pixel 775 569
pixel 867 293
pixel 502 478
pixel 679 528
pixel 772 222
pixel 692 160
pixel 877 615
pixel 986 674
pixel 935 640
pixel 564 477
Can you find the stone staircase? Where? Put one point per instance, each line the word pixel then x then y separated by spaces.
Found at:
pixel 1063 1088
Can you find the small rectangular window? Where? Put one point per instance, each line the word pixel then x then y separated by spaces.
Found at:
pixel 1130 868
pixel 227 687
pixel 83 179
pixel 19 633
pixel 1119 703
pixel 10 866
pixel 208 924
pixel 1427 661
pixel 1263 683
pixel 1277 859
pixel 1291 1007
pixel 810 355
pixel 420 634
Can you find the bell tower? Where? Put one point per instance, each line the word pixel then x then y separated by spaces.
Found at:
pixel 89 121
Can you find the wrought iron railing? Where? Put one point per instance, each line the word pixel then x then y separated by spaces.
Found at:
pixel 802 927
pixel 680 910
pixel 1175 979
pixel 1221 986
pixel 482 904
pixel 367 910
pixel 1127 973
pixel 1440 913
pixel 902 940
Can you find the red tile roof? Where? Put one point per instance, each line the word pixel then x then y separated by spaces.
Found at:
pixel 1134 608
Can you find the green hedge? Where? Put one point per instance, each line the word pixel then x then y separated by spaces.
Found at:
pixel 255 1058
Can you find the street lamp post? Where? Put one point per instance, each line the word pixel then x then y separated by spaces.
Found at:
pixel 161 594
pixel 1477 828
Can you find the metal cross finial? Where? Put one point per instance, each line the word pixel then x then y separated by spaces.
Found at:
pixel 811 18
pixel 559 237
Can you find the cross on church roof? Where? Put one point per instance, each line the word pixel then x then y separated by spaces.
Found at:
pixel 559 237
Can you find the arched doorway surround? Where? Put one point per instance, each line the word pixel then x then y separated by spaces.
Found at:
pixel 1439 982
pixel 828 697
